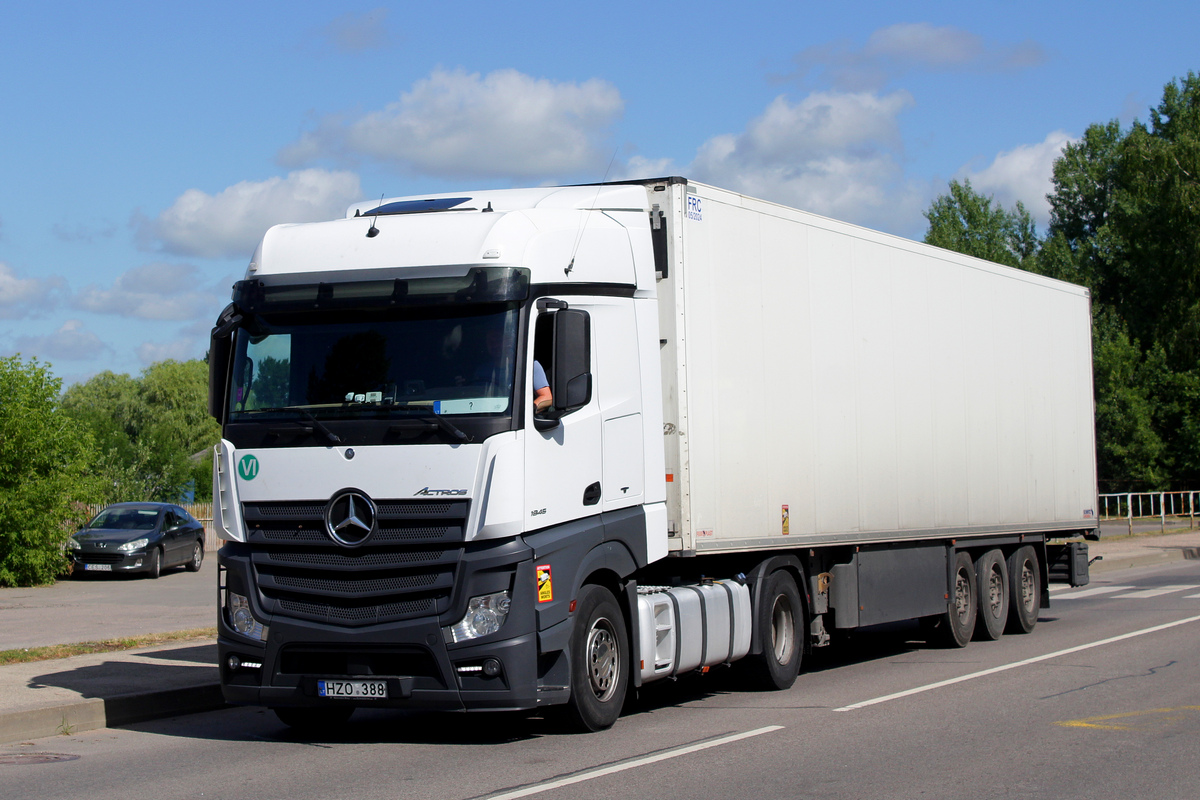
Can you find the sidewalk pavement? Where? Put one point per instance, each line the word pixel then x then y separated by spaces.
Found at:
pixel 80 693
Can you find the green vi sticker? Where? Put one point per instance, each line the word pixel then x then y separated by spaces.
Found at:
pixel 248 467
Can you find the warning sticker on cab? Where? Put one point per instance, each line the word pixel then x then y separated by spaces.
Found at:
pixel 545 584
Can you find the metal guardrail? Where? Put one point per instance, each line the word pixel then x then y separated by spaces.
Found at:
pixel 1130 506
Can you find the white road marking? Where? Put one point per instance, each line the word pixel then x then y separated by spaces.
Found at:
pixel 1161 590
pixel 1098 590
pixel 1015 664
pixel 600 772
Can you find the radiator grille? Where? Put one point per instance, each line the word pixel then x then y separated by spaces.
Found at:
pixel 405 570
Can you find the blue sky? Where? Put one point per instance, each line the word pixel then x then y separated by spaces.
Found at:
pixel 145 147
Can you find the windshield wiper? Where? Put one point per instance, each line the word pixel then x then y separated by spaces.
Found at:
pixel 430 422
pixel 317 424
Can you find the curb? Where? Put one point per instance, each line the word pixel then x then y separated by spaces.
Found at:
pixel 1116 562
pixel 107 712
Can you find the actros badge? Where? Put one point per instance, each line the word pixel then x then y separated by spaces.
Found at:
pixel 350 517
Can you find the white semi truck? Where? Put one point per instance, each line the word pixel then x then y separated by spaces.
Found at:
pixel 765 426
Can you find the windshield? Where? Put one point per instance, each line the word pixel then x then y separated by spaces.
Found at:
pixel 129 519
pixel 443 360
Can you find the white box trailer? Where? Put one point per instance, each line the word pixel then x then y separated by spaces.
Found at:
pixel 827 384
pixel 763 425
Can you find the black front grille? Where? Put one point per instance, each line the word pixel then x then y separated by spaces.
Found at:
pixel 100 558
pixel 405 570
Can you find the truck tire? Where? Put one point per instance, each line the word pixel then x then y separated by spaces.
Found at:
pixel 599 661
pixel 779 620
pixel 1024 590
pixel 312 720
pixel 991 581
pixel 955 627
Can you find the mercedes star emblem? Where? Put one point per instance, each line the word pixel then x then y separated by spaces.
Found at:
pixel 350 517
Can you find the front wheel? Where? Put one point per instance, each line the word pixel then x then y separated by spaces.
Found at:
pixel 599 661
pixel 197 558
pixel 155 568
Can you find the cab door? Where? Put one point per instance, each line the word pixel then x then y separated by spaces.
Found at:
pixel 563 453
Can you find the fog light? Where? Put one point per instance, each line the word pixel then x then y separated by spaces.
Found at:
pixel 485 615
pixel 234 663
pixel 491 667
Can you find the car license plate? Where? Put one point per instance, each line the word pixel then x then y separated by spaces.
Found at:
pixel 372 690
pixel 97 567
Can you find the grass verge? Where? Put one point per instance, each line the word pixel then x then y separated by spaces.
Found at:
pixel 25 655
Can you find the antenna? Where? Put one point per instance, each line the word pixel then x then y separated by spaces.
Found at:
pixel 583 223
pixel 372 231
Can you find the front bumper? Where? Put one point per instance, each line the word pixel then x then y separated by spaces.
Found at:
pixel 281 667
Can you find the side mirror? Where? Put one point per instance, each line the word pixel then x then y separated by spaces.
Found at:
pixel 220 348
pixel 571 381
pixel 570 375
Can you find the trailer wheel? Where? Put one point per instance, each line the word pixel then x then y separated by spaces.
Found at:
pixel 1024 590
pixel 779 620
pixel 991 580
pixel 599 661
pixel 955 626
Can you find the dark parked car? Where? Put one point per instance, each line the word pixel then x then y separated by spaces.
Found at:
pixel 138 537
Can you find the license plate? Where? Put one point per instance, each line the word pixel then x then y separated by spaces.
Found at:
pixel 373 690
pixel 97 567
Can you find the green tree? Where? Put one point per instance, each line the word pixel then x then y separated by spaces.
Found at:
pixel 1125 222
pixel 1155 224
pixel 45 474
pixel 154 434
pixel 965 221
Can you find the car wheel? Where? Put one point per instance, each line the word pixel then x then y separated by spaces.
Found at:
pixel 155 568
pixel 197 558
pixel 599 662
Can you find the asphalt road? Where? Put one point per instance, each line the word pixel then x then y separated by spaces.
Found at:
pixel 1101 701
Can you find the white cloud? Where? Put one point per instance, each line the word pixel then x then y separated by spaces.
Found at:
pixel 71 342
pixel 356 33
pixel 1023 173
pixel 831 153
pixel 154 291
pixel 24 298
pixel 907 47
pixel 458 124
pixel 230 223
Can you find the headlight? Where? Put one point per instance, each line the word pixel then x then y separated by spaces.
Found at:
pixel 74 544
pixel 136 544
pixel 484 615
pixel 242 619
